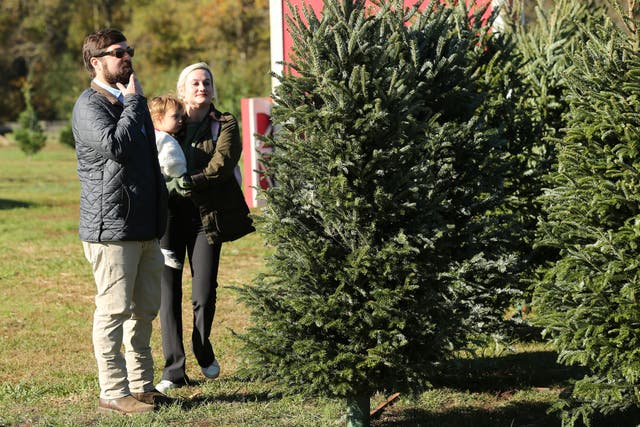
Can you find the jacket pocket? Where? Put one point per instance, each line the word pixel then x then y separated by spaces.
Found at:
pixel 125 205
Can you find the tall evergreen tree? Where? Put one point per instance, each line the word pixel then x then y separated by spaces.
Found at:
pixel 546 46
pixel 530 102
pixel 384 257
pixel 506 108
pixel 588 301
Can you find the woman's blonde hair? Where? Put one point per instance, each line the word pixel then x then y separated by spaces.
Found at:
pixel 182 79
pixel 159 105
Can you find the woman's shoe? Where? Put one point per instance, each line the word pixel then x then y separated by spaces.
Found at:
pixel 212 371
pixel 165 385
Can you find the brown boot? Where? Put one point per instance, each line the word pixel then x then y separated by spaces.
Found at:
pixel 153 397
pixel 124 405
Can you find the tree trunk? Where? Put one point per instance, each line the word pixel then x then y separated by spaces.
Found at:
pixel 358 411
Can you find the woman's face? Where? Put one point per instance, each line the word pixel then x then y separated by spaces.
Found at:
pixel 198 90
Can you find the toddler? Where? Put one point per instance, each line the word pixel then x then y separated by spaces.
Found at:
pixel 167 113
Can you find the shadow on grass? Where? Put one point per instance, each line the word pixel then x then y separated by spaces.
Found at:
pixel 523 414
pixel 12 204
pixel 504 373
pixel 236 397
pixel 227 398
pixel 501 375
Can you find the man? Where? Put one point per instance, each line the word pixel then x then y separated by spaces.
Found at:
pixel 123 210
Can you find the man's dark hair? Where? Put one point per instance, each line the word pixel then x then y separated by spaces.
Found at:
pixel 96 42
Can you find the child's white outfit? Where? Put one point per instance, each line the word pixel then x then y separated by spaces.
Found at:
pixel 170 155
pixel 173 164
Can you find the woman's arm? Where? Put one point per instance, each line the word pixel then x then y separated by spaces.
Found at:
pixel 226 155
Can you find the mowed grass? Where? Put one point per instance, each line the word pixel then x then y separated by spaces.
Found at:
pixel 47 371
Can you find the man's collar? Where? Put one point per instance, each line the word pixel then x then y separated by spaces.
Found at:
pixel 115 92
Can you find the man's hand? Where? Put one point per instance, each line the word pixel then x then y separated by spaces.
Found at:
pixel 133 87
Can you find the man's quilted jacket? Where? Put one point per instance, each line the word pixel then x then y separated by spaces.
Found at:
pixel 123 195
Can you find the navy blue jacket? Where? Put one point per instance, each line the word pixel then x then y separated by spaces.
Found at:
pixel 123 195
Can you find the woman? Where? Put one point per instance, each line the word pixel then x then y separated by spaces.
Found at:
pixel 205 209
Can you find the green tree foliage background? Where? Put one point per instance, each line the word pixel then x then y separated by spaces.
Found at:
pixel 44 39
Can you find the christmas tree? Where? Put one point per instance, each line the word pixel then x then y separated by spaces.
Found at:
pixel 386 254
pixel 526 87
pixel 587 302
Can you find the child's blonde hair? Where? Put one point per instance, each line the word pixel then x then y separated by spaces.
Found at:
pixel 159 105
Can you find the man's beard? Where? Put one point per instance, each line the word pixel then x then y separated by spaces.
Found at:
pixel 121 76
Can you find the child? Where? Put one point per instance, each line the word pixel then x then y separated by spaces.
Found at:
pixel 167 114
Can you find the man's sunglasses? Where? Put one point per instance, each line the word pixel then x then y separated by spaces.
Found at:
pixel 118 53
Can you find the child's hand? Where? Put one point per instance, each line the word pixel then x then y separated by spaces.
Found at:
pixel 184 185
pixel 185 182
pixel 178 186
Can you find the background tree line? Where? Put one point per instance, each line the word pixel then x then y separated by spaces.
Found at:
pixel 41 42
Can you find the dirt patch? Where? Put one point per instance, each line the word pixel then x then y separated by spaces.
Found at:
pixel 4 141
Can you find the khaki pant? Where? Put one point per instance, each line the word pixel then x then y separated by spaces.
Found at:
pixel 127 276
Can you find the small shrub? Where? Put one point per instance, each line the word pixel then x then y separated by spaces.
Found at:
pixel 66 136
pixel 29 135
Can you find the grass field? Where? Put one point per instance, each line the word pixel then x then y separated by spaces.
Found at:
pixel 47 371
